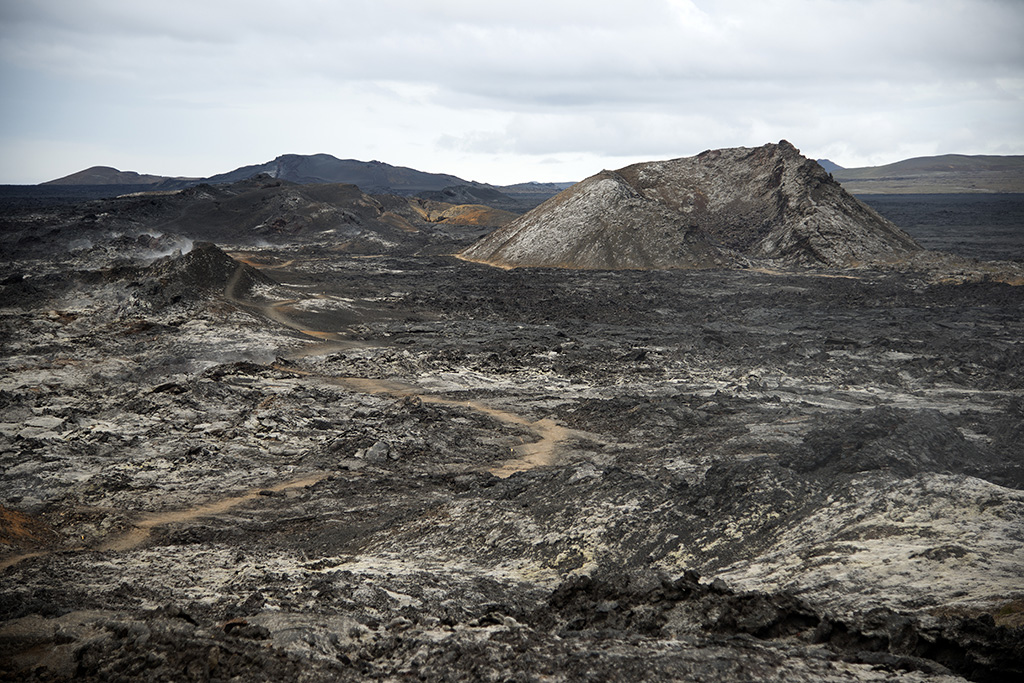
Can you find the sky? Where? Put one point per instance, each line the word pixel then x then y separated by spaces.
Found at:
pixel 500 92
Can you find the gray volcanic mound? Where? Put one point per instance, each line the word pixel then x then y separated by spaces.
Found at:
pixel 203 271
pixel 719 208
pixel 206 268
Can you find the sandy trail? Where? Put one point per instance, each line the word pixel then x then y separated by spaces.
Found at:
pixel 259 265
pixel 143 527
pixel 277 310
pixel 11 561
pixel 526 456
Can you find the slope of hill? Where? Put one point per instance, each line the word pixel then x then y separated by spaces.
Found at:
pixel 369 176
pixel 258 210
pixel 105 175
pixel 468 194
pixel 518 198
pixel 829 165
pixel 718 208
pixel 946 174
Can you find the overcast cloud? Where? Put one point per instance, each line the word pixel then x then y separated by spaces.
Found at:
pixel 499 91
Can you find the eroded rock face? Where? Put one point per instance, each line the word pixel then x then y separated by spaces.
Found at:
pixel 719 208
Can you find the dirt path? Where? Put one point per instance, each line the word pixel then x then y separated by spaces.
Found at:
pixel 276 310
pixel 525 456
pixel 259 265
pixel 143 527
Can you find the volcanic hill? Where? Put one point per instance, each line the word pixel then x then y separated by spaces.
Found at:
pixel 370 176
pixel 105 175
pixel 720 208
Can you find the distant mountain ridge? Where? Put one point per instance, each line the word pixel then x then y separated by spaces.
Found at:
pixel 369 176
pixel 311 169
pixel 944 174
pixel 372 177
pixel 106 175
pixel 949 173
pixel 829 165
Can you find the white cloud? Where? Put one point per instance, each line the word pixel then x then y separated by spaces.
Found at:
pixel 465 82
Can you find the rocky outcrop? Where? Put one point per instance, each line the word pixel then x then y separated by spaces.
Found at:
pixel 719 208
pixel 206 268
pixel 601 223
pixel 202 272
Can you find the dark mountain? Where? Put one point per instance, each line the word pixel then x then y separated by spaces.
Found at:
pixel 946 174
pixel 518 198
pixel 829 166
pixel 373 177
pixel 369 176
pixel 716 209
pixel 105 175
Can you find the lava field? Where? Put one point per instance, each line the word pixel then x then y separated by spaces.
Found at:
pixel 276 459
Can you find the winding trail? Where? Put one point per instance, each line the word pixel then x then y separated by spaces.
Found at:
pixel 278 310
pixel 143 527
pixel 525 456
pixel 15 559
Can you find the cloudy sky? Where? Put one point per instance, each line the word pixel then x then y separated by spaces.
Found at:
pixel 500 91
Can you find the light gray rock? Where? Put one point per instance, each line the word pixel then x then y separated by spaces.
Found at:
pixel 378 452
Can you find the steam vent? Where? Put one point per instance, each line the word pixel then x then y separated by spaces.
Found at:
pixel 720 208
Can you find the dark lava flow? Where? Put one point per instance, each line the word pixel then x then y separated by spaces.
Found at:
pixel 806 476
